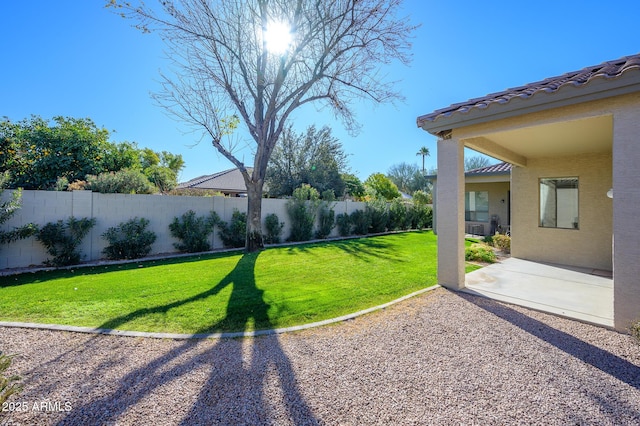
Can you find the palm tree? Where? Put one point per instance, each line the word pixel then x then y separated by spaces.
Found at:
pixel 424 151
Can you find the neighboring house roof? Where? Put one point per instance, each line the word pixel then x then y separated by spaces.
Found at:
pixel 226 181
pixel 586 77
pixel 503 168
pixel 500 169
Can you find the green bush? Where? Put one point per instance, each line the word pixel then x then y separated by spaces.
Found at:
pixel 193 232
pixel 480 253
pixel 302 210
pixel 378 213
pixel 488 240
pixel 421 216
pixel 125 181
pixel 7 209
pixel 234 234
pixel 343 221
pixel 398 215
pixel 326 219
pixel 61 239
pixel 8 385
pixel 502 242
pixel 274 229
pixel 361 222
pixel 129 240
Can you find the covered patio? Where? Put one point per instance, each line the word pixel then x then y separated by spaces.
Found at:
pixel 572 141
pixel 582 294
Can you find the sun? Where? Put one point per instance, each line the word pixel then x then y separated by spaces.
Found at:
pixel 277 37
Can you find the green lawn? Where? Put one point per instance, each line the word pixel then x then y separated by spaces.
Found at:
pixel 278 287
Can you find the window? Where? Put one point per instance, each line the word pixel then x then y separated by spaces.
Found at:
pixel 559 203
pixel 476 206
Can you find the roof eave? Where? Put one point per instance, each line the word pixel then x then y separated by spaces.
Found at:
pixel 599 88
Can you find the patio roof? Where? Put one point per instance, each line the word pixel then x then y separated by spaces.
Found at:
pixel 505 103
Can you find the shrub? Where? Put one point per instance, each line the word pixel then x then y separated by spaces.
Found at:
pixel 129 240
pixel 488 240
pixel 234 234
pixel 421 216
pixel 193 232
pixel 326 219
pixel 125 181
pixel 398 217
pixel 61 239
pixel 8 385
pixel 480 253
pixel 302 210
pixel 361 222
pixel 502 242
pixel 274 229
pixel 379 215
pixel 343 221
pixel 7 209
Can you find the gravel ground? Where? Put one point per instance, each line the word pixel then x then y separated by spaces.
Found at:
pixel 440 358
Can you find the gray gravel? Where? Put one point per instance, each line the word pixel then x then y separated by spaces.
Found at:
pixel 440 358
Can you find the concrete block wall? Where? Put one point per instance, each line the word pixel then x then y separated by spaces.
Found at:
pixel 41 207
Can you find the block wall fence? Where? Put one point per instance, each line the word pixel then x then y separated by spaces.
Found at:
pixel 41 207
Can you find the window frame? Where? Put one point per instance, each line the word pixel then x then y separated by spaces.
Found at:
pixel 473 213
pixel 575 225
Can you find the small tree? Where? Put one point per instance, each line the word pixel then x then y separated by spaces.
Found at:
pixel 379 186
pixel 193 232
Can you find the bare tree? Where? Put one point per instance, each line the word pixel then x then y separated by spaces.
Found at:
pixel 225 72
pixel 476 162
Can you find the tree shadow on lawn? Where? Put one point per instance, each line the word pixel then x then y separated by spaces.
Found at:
pixel 234 389
pixel 367 249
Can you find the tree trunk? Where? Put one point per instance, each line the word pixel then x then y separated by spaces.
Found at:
pixel 254 217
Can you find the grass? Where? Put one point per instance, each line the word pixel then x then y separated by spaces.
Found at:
pixel 278 287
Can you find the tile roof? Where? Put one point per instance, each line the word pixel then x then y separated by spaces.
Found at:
pixel 496 169
pixel 608 70
pixel 227 180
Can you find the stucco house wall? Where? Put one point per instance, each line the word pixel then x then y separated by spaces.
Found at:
pixel 590 244
pixel 498 202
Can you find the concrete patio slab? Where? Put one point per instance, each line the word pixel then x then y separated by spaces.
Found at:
pixel 577 293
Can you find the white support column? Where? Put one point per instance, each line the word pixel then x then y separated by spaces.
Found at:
pixel 626 222
pixel 450 213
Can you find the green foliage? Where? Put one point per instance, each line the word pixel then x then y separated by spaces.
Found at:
pixel 421 216
pixel 378 186
pixel 407 177
pixel 326 219
pixel 379 215
pixel 398 215
pixel 488 240
pixel 302 210
pixel 193 232
pixel 127 181
pixel 234 234
pixel 7 209
pixel 422 197
pixel 274 229
pixel 61 239
pixel 129 240
pixel 361 222
pixel 46 154
pixel 162 177
pixel 353 187
pixel 8 385
pixel 480 253
pixel 345 227
pixel 502 242
pixel 314 157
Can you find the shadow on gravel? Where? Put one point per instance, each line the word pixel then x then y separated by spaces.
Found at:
pixel 238 371
pixel 607 362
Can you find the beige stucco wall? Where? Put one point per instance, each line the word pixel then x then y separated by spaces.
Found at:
pixel 498 192
pixel 588 246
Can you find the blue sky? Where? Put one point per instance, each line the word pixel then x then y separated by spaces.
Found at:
pixel 74 58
